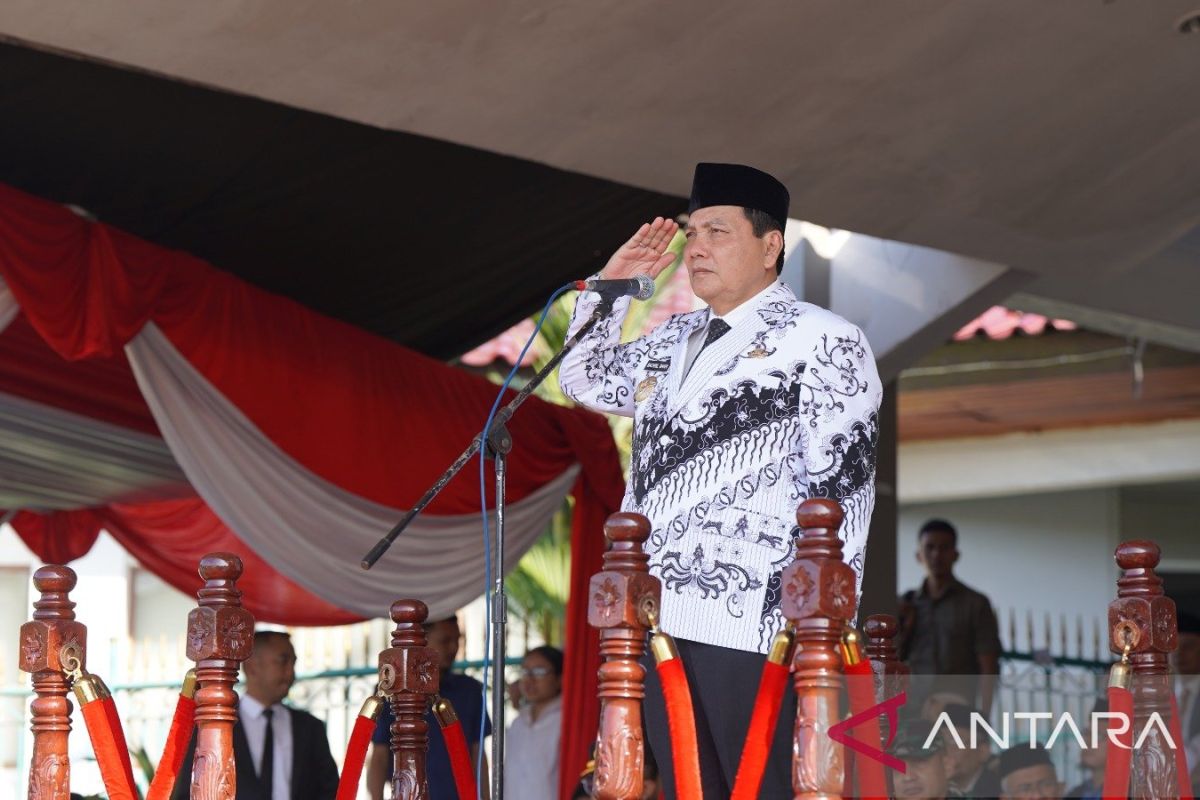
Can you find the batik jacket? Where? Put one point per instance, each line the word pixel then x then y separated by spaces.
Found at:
pixel 781 408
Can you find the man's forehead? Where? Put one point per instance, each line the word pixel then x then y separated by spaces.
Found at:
pixel 713 214
pixel 273 645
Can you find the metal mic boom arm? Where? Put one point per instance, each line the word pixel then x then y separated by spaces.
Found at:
pixel 499 438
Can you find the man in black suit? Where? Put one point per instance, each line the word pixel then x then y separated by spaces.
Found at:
pixel 281 753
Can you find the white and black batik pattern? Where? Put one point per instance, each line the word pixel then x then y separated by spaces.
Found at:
pixel 788 410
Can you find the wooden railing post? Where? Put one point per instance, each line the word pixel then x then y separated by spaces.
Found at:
pixel 220 637
pixel 1143 620
pixel 891 674
pixel 623 600
pixel 409 674
pixel 819 599
pixel 52 637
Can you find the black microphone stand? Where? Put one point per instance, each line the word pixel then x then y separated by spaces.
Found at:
pixel 497 447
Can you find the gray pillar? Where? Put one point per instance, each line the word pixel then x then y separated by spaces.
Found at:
pixel 879 591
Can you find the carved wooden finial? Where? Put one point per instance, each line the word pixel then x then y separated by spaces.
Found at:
pixel 1142 624
pixel 819 514
pixel 818 598
pixel 53 624
pixel 220 636
pixel 627 526
pixel 818 583
pixel 409 673
pixel 623 602
pixel 627 534
pixel 891 674
pixel 1141 617
pixel 52 634
pixel 881 632
pixel 409 617
pixel 54 581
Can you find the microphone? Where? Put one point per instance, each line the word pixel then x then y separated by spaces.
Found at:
pixel 639 287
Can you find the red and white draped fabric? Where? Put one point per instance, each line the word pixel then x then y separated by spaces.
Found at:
pixel 246 422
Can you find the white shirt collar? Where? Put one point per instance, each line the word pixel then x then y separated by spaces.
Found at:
pixel 251 707
pixel 736 315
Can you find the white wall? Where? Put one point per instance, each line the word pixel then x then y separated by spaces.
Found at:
pixel 159 609
pixel 1048 552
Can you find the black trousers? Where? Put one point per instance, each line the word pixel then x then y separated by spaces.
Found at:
pixel 724 684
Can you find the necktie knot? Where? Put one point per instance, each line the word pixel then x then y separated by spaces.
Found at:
pixel 716 329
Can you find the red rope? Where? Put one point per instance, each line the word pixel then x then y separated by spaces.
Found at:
pixel 1185 779
pixel 118 731
pixel 771 687
pixel 681 720
pixel 860 683
pixel 460 760
pixel 118 778
pixel 456 747
pixel 356 754
pixel 174 749
pixel 1116 767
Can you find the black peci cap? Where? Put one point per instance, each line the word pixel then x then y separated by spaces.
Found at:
pixel 739 185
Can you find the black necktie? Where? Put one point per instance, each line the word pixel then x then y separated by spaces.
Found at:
pixel 716 329
pixel 266 775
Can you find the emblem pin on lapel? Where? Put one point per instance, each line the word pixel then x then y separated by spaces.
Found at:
pixel 645 388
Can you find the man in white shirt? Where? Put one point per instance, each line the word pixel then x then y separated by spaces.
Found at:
pixel 281 753
pixel 741 411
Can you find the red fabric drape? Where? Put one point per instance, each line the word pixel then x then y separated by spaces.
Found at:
pixel 580 708
pixel 167 538
pixel 346 404
pixel 57 538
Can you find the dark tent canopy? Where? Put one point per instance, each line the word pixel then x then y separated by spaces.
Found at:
pixel 433 245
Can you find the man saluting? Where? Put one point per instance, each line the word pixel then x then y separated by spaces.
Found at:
pixel 741 410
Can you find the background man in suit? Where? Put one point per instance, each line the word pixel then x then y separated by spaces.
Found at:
pixel 281 753
pixel 741 410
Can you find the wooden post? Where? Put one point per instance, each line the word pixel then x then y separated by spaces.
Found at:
pixel 819 599
pixel 623 604
pixel 1143 619
pixel 51 638
pixel 409 674
pixel 220 638
pixel 891 674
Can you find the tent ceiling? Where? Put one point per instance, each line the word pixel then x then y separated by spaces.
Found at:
pixel 1055 138
pixel 405 236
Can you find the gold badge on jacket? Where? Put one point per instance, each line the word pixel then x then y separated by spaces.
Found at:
pixel 645 388
pixel 758 352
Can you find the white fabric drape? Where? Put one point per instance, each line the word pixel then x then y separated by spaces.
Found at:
pixel 8 306
pixel 57 460
pixel 307 528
